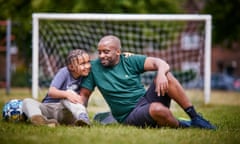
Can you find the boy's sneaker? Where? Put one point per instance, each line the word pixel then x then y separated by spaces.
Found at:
pixel 40 120
pixel 200 122
pixel 82 120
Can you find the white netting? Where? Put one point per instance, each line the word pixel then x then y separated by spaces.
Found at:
pixel 180 43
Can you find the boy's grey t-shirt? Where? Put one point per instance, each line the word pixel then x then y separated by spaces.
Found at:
pixel 63 80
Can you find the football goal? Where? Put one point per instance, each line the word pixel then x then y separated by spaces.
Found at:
pixel 184 41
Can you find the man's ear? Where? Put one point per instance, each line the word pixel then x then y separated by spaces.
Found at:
pixel 118 51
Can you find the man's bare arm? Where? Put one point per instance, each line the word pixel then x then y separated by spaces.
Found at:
pixel 85 94
pixel 162 68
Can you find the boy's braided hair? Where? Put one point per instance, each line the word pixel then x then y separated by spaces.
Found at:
pixel 73 54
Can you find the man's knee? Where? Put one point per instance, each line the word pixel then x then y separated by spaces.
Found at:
pixel 158 110
pixel 171 78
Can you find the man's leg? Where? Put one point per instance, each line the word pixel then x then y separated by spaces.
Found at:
pixel 177 93
pixel 140 116
pixel 159 109
pixel 104 118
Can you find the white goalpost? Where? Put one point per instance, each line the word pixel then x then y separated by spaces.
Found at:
pixel 184 41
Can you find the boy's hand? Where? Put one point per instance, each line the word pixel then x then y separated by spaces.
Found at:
pixel 73 97
pixel 127 54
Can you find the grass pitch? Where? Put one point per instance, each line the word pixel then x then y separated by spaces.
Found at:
pixel 223 111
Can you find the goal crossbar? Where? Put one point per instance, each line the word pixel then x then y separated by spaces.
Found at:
pixel 124 17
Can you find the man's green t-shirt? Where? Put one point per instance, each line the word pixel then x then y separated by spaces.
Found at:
pixel 120 85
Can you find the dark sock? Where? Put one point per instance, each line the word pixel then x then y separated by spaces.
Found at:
pixel 191 112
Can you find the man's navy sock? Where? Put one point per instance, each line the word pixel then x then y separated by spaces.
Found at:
pixel 191 112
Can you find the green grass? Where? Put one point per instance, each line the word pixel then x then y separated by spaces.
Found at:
pixel 223 111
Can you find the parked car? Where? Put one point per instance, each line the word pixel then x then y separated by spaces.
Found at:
pixel 236 84
pixel 222 81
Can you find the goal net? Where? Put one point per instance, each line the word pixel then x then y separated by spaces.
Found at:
pixel 181 40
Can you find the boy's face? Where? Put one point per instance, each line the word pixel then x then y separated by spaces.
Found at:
pixel 80 66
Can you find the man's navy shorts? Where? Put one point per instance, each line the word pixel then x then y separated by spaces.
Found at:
pixel 140 115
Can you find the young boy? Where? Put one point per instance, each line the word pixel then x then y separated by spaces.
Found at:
pixel 62 102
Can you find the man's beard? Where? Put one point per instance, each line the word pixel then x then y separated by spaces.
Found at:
pixel 107 63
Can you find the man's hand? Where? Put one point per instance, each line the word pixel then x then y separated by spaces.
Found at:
pixel 162 68
pixel 161 83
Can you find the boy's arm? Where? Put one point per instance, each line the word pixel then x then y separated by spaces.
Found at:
pixel 64 94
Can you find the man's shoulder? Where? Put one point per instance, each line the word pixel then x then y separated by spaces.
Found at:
pixel 134 57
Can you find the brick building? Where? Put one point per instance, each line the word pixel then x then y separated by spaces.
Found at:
pixel 225 60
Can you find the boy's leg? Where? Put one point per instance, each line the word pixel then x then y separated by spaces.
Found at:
pixel 32 109
pixel 59 112
pixel 79 112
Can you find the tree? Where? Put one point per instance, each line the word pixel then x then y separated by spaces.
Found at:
pixel 226 15
pixel 128 6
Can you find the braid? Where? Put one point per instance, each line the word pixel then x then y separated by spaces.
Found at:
pixel 74 54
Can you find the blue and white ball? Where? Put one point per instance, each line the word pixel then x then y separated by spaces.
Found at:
pixel 12 111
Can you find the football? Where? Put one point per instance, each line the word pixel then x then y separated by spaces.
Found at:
pixel 12 111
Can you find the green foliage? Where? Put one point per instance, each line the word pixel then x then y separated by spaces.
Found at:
pixel 185 76
pixel 128 6
pixel 226 15
pixel 19 12
pixel 20 78
pixel 52 6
